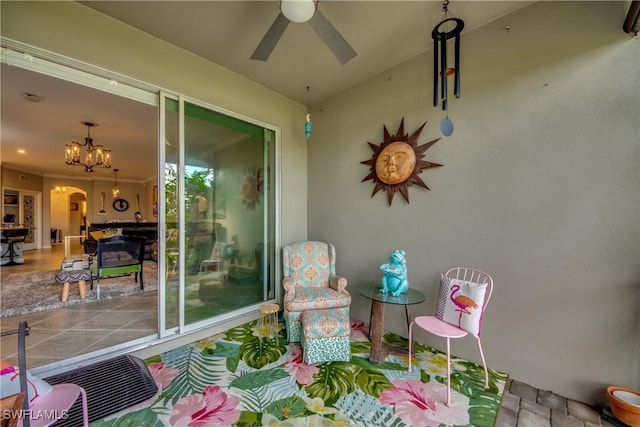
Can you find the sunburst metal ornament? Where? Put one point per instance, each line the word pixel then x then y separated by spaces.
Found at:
pixel 397 162
pixel 251 186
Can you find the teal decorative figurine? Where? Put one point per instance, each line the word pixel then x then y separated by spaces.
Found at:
pixel 395 280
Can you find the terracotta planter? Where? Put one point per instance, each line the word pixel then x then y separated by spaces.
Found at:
pixel 625 404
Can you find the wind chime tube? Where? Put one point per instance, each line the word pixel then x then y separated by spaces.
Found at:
pixel 443 69
pixel 435 72
pixel 456 87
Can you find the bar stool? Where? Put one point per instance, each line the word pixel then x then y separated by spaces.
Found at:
pixel 12 237
pixel 268 320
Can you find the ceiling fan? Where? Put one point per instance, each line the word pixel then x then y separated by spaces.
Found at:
pixel 300 11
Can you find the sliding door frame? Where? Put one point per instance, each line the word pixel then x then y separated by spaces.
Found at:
pixel 38 60
pixel 182 326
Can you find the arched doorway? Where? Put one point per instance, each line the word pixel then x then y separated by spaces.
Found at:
pixel 68 213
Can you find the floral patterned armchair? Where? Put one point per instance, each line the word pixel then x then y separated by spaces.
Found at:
pixel 310 282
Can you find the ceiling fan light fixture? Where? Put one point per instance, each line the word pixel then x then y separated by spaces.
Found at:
pixel 298 11
pixel 301 11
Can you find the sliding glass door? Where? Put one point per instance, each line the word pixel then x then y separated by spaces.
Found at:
pixel 219 211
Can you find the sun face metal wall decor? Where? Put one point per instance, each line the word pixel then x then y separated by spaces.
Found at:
pixel 397 163
pixel 251 187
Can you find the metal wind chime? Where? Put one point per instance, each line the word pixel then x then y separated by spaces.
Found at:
pixel 440 35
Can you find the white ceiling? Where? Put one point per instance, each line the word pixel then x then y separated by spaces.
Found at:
pixel 383 33
pixel 42 129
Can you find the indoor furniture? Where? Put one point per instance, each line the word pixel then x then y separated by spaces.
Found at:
pixel 463 293
pixel 74 268
pixel 373 292
pixel 79 276
pixel 326 335
pixel 12 239
pixel 310 282
pixel 268 321
pixel 116 256
pixel 57 402
pixel 147 230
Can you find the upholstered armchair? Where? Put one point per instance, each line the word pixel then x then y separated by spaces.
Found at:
pixel 310 282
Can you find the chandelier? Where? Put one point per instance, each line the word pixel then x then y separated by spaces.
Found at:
pixel 94 156
pixel 115 191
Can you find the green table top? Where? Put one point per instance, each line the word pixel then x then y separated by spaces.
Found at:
pixel 372 291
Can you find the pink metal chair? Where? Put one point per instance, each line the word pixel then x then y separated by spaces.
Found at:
pixel 441 328
pixel 54 405
pixel 216 259
pixel 57 403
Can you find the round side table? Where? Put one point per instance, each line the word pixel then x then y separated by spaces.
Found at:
pixel 376 320
pixel 268 320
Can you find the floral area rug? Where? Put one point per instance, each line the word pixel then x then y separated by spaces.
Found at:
pixel 23 293
pixel 238 379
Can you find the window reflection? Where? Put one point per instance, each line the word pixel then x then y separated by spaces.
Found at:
pixel 227 248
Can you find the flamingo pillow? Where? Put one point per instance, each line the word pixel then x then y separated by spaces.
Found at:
pixel 460 303
pixel 10 383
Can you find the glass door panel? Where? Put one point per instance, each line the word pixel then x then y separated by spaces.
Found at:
pixel 171 197
pixel 226 234
pixel 219 213
pixel 267 187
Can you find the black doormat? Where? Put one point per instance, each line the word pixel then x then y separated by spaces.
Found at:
pixel 111 386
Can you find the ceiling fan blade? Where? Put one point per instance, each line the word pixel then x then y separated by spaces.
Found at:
pixel 270 39
pixel 332 38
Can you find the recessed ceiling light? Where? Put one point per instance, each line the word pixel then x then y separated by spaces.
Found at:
pixel 31 97
pixel 21 151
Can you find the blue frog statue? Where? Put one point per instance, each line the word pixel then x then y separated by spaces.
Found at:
pixel 395 280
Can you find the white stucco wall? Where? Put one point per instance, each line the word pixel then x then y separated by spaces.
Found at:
pixel 540 187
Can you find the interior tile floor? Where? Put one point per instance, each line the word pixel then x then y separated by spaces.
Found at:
pixel 40 260
pixel 80 329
